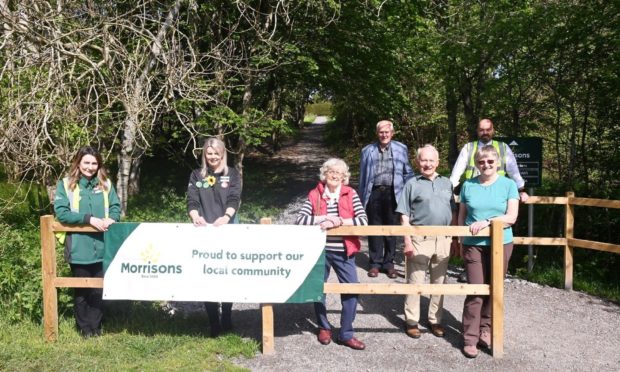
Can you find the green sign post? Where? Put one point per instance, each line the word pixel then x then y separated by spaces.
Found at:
pixel 528 152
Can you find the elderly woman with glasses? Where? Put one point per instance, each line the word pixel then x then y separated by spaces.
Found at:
pixel 331 204
pixel 488 197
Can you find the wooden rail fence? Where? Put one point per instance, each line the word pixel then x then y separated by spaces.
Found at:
pixel 51 282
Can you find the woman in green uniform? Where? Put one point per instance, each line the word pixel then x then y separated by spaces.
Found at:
pixel 86 196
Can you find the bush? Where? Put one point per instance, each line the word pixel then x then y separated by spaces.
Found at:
pixel 20 274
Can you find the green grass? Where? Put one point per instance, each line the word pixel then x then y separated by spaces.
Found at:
pixel 553 276
pixel 147 339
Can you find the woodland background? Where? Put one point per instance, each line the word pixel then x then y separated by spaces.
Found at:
pixel 145 81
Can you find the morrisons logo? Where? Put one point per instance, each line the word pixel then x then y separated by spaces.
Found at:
pixel 150 269
pixel 150 257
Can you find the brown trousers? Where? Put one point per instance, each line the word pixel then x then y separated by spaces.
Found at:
pixel 477 309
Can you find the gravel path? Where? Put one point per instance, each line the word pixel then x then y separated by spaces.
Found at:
pixel 545 328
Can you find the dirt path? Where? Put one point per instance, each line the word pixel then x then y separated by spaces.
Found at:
pixel 545 328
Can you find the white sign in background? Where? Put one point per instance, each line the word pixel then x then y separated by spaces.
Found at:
pixel 230 263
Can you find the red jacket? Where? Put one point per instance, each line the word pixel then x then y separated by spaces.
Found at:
pixel 345 210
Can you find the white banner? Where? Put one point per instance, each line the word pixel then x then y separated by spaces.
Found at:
pixel 230 263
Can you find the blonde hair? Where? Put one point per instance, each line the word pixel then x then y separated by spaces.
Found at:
pixel 335 164
pixel 219 147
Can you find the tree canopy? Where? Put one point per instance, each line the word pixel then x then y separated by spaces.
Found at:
pixel 134 78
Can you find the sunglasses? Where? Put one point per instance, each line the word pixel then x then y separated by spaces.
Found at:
pixel 488 162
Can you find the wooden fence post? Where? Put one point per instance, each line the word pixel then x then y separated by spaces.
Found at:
pixel 48 271
pixel 267 316
pixel 569 224
pixel 497 288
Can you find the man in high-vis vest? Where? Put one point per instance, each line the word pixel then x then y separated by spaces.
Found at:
pixel 508 164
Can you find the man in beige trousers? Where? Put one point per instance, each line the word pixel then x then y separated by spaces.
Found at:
pixel 426 200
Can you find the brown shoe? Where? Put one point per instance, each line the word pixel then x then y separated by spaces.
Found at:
pixel 484 342
pixel 470 351
pixel 373 272
pixel 437 330
pixel 391 273
pixel 353 343
pixel 413 331
pixel 325 336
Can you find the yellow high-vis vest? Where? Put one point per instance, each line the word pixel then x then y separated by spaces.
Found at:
pixel 74 203
pixel 471 170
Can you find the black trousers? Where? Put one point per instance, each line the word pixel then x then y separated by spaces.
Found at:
pixel 217 322
pixel 381 211
pixel 87 302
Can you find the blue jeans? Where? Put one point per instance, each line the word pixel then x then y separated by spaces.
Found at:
pixel 344 267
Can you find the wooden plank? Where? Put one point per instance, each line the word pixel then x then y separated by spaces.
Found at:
pixel 598 246
pixel 48 271
pixel 569 222
pixel 403 289
pixel 497 289
pixel 405 230
pixel 269 344
pixel 589 202
pixel 57 226
pixel 524 240
pixel 269 347
pixel 547 200
pixel 69 282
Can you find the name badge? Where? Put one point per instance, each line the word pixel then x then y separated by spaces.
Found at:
pixel 224 181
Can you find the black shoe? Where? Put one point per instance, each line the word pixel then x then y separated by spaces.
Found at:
pixel 216 329
pixel 462 277
pixel 227 325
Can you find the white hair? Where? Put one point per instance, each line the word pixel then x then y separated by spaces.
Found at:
pixel 337 165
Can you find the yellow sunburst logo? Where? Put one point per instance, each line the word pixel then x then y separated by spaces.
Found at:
pixel 149 254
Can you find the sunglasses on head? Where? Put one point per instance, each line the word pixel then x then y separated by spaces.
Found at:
pixel 487 161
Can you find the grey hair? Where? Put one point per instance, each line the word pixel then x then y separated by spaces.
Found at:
pixel 335 164
pixel 486 151
pixel 382 122
pixel 427 146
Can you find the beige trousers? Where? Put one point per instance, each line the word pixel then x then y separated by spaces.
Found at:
pixel 429 254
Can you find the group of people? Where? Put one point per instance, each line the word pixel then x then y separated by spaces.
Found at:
pixel 389 194
pixel 86 196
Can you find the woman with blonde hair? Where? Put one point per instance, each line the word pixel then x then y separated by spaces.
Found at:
pixel 213 197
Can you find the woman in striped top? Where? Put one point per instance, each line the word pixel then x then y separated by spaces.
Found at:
pixel 331 204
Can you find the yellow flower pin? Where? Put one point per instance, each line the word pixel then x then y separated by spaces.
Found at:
pixel 210 181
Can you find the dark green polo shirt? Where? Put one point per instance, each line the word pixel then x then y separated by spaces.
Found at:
pixel 427 202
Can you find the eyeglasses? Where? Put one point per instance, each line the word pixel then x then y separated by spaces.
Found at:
pixel 488 162
pixel 333 172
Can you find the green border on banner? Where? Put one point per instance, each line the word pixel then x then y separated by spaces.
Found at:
pixel 114 238
pixel 311 290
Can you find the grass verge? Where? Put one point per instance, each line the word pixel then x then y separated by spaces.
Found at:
pixel 145 339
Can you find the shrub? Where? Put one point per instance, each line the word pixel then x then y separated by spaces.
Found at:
pixel 20 274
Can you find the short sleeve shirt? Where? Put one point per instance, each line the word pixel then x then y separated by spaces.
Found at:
pixel 427 202
pixel 486 202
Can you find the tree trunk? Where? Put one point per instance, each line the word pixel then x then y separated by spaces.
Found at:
pixel 136 102
pixel 452 111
